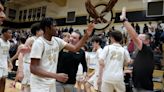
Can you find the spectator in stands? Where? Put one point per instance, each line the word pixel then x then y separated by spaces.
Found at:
pixel 132 25
pixel 66 36
pixel 70 30
pixel 131 47
pixel 14 51
pixel 145 29
pixel 151 29
pixel 137 27
pixel 158 33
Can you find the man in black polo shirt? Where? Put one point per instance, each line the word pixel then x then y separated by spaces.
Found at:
pixel 144 62
pixel 68 64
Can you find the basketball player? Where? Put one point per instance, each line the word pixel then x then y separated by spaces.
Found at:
pixel 44 57
pixel 4 44
pixel 4 55
pixel 96 42
pixel 24 59
pixel 111 62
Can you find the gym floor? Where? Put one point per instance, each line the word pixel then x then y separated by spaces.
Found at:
pixel 8 87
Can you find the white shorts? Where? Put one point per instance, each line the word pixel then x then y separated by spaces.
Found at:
pixel 27 74
pixel 110 87
pixel 79 74
pixel 93 81
pixel 79 77
pixel 3 72
pixel 40 87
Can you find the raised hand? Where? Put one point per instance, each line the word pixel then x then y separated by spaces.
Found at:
pixel 89 29
pixel 123 14
pixel 62 77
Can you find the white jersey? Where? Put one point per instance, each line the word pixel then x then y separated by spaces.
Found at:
pixel 27 61
pixel 80 70
pixel 47 52
pixel 114 56
pixel 98 53
pixel 94 78
pixel 93 57
pixel 91 60
pixel 4 53
pixel 26 57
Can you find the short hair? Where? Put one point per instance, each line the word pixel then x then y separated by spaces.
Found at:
pixel 78 32
pixel 23 39
pixel 148 36
pixel 97 40
pixel 150 22
pixel 65 34
pixel 144 37
pixel 117 35
pixel 34 28
pixel 2 2
pixel 5 29
pixel 46 22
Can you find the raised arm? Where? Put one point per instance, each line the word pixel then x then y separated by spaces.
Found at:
pixel 131 31
pixel 82 41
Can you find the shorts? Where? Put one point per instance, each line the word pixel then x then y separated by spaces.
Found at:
pixel 79 74
pixel 90 70
pixel 42 87
pixel 93 81
pixel 110 87
pixel 3 72
pixel 60 87
pixel 27 74
pixel 79 77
